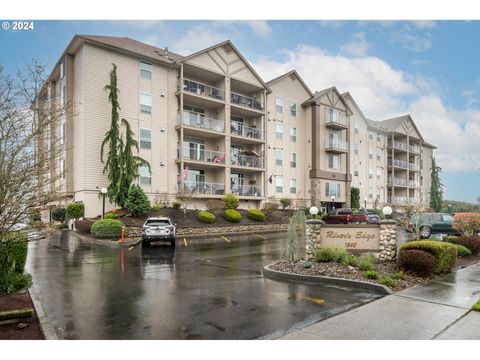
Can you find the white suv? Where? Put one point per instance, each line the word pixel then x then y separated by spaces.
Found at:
pixel 158 229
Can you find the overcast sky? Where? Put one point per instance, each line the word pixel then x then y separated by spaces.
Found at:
pixel 428 69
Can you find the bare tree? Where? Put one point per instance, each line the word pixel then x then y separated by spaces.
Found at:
pixel 27 146
pixel 185 196
pixel 410 219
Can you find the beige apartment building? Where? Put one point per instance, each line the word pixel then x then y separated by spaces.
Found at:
pixel 208 123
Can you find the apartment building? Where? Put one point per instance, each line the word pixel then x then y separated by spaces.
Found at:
pixel 208 123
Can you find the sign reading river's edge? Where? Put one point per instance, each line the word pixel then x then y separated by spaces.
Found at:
pixel 358 238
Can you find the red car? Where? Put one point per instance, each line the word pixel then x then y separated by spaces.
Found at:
pixel 345 216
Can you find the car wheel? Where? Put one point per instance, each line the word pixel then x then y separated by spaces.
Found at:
pixel 172 243
pixel 425 232
pixel 145 243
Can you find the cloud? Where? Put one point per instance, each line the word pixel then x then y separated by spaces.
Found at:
pixel 380 23
pixel 198 37
pixel 260 27
pixel 424 24
pixel 383 92
pixel 332 24
pixel 411 41
pixel 421 62
pixel 358 46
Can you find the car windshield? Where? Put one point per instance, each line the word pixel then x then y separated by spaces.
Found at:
pixel 447 217
pixel 157 223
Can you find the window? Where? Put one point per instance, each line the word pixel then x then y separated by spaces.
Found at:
pixel 293 134
pixel 62 133
pixel 62 70
pixel 145 70
pixel 379 138
pixel 146 103
pixel 370 153
pixel 356 146
pixel 293 186
pixel 145 139
pixel 278 104
pixel 355 173
pixel 63 95
pixel 279 157
pixel 279 131
pixel 145 175
pixel 370 136
pixel 356 128
pixel 279 184
pixel 379 173
pixel 332 189
pixel 293 108
pixel 370 173
pixel 370 193
pixel 62 169
pixel 333 161
pixel 293 160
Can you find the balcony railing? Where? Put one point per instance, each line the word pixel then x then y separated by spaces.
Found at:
pixel 215 157
pixel 247 190
pixel 397 200
pixel 337 120
pixel 336 145
pixel 397 181
pixel 207 188
pixel 246 101
pixel 248 161
pixel 398 163
pixel 414 149
pixel 414 167
pixel 238 128
pixel 399 145
pixel 200 121
pixel 202 89
pixel 413 183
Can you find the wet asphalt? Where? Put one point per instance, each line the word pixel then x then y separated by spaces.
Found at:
pixel 210 289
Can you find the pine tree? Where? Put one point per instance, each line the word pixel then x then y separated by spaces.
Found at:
pixel 355 198
pixel 112 165
pixel 137 202
pixel 436 192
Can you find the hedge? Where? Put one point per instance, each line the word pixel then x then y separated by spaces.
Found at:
pixel 206 217
pixel 75 210
pixel 462 251
pixel 256 215
pixel 13 255
pixel 107 228
pixel 418 261
pixel 445 253
pixel 59 214
pixel 232 215
pixel 472 243
pixel 110 216
pixel 230 201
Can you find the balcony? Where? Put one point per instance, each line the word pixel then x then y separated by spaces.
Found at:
pixel 205 156
pixel 247 190
pixel 337 122
pixel 205 188
pixel 397 182
pixel 413 167
pixel 336 146
pixel 200 121
pixel 204 90
pixel 413 183
pixel 398 145
pixel 397 200
pixel 246 101
pixel 398 163
pixel 414 149
pixel 238 128
pixel 247 161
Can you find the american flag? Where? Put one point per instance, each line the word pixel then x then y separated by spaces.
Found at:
pixel 185 174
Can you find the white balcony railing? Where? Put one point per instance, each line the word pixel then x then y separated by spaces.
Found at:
pixel 398 200
pixel 202 89
pixel 238 128
pixel 246 101
pixel 336 120
pixel 398 163
pixel 207 188
pixel 397 181
pixel 400 145
pixel 248 161
pixel 200 121
pixel 215 157
pixel 413 183
pixel 414 149
pixel 414 167
pixel 336 145
pixel 247 190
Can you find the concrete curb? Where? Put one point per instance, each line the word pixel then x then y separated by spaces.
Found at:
pixel 325 280
pixel 47 329
pixel 230 233
pixel 107 243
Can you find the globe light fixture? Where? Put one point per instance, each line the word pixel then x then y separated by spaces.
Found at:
pixel 387 210
pixel 313 210
pixel 103 191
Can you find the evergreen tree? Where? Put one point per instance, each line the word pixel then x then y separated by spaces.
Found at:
pixel 137 202
pixel 355 198
pixel 112 164
pixel 436 192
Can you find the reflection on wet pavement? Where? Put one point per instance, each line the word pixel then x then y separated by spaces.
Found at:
pixel 207 290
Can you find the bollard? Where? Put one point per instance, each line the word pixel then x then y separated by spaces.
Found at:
pixel 123 233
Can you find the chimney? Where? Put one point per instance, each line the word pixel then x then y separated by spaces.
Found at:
pixel 165 52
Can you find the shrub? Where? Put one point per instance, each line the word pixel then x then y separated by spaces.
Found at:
pixel 214 205
pixel 156 208
pixel 462 251
pixel 13 255
pixel 472 243
pixel 452 238
pixel 445 253
pixel 467 223
pixel 107 228
pixel 75 210
pixel 371 274
pixel 270 207
pixel 388 282
pixel 366 262
pixel 137 202
pixel 60 226
pixel 206 217
pixel 307 264
pixel 398 276
pixel 330 254
pixel 176 205
pixel 285 202
pixel 230 201
pixel 256 215
pixel 350 260
pixel 316 217
pixel 110 216
pixel 232 215
pixel 59 214
pixel 417 261
pixel 476 306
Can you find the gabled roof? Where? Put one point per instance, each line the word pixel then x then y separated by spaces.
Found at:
pixel 227 42
pixel 394 123
pixel 290 73
pixel 319 94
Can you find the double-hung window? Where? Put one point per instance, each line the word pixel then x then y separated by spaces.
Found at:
pixel 293 160
pixel 332 189
pixel 279 184
pixel 278 104
pixel 145 139
pixel 145 70
pixel 333 162
pixel 145 175
pixel 293 134
pixel 279 157
pixel 146 103
pixel 293 108
pixel 279 131
pixel 293 186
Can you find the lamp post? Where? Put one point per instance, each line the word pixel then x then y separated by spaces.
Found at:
pixel 449 208
pixel 313 211
pixel 104 191
pixel 365 200
pixel 387 211
pixel 333 202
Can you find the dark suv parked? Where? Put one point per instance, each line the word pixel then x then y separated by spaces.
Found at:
pixel 433 223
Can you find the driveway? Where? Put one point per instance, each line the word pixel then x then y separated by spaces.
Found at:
pixel 209 289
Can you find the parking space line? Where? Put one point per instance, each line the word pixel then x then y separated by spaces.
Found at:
pixel 131 247
pixel 260 236
pixel 224 238
pixel 185 242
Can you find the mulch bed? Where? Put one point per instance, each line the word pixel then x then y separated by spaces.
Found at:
pixel 465 261
pixel 19 300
